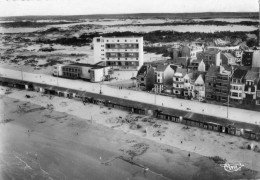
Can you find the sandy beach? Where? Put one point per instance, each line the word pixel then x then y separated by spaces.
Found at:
pixel 59 138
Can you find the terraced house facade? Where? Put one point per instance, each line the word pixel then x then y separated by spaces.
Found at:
pixel 223 83
pixel 251 81
pixel 237 86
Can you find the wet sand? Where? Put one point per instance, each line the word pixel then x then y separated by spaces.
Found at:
pixel 62 146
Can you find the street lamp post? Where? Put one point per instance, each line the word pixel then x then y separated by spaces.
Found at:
pixel 154 95
pixel 228 105
pixel 22 73
pixel 57 77
pixel 102 80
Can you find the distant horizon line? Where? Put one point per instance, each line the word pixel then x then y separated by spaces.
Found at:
pixel 205 12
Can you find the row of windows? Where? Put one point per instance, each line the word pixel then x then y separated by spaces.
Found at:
pixel 122 46
pixel 126 50
pixel 178 79
pixel 236 88
pixel 222 84
pixel 250 90
pixel 249 83
pixel 123 55
pixel 71 69
pixel 223 78
pixel 115 63
pixel 70 74
pixel 122 59
pixel 221 91
pixel 236 81
pixel 234 94
pixel 102 40
pixel 178 86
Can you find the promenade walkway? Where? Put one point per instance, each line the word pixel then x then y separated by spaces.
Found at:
pixel 235 114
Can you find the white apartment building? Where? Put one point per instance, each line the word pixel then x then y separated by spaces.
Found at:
pixel 121 53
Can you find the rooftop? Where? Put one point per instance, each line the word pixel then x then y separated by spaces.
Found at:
pixel 182 71
pixel 196 61
pixel 142 70
pixel 86 65
pixel 227 67
pixel 210 52
pixel 228 55
pixel 161 67
pixel 239 73
pixel 179 61
pixel 174 67
pixel 118 37
pixel 251 75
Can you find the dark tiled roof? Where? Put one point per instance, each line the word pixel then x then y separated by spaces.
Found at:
pixel 239 73
pixel 142 70
pixel 195 74
pixel 174 67
pixel 161 67
pixel 251 75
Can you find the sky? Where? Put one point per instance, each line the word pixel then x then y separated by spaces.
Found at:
pixel 84 7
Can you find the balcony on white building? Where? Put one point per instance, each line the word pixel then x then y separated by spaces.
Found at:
pixel 236 95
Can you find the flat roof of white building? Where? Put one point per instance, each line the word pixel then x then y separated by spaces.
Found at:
pixel 113 37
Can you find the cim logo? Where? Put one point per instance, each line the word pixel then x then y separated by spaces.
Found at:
pixel 232 167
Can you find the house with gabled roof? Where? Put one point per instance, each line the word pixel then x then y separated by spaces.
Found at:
pixel 194 85
pixel 163 78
